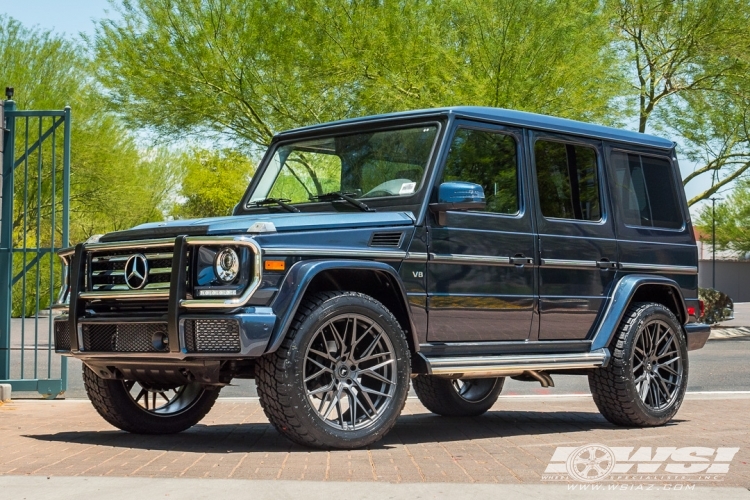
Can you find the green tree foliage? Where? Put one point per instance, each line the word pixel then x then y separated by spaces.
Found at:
pixel 689 59
pixel 212 182
pixel 245 69
pixel 732 220
pixel 114 185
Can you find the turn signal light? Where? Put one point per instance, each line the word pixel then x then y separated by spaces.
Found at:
pixel 274 265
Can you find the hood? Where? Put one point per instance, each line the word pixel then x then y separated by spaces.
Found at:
pixel 239 224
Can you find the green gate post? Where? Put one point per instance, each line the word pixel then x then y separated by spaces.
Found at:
pixel 66 220
pixel 6 239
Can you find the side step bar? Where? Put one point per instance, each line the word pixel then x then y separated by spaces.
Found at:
pixel 508 365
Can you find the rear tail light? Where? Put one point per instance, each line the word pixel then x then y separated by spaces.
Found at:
pixel 701 308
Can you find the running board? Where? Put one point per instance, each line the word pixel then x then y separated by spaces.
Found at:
pixel 508 365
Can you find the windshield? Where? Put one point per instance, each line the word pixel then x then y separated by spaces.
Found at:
pixel 365 165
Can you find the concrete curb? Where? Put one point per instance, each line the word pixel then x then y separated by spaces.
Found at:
pixel 723 333
pixel 4 393
pixel 114 488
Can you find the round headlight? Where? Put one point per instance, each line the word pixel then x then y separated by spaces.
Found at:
pixel 227 265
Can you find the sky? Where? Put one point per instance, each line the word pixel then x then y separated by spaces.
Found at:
pixel 73 17
pixel 63 16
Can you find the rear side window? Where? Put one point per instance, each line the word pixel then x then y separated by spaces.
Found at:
pixel 646 189
pixel 568 181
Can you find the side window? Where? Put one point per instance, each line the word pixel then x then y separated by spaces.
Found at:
pixel 646 189
pixel 568 181
pixel 489 159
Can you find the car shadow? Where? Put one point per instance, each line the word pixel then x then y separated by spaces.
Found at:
pixel 409 429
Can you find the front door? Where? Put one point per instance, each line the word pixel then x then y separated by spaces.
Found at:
pixel 480 272
pixel 577 243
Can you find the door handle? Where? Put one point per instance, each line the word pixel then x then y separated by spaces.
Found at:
pixel 607 264
pixel 520 260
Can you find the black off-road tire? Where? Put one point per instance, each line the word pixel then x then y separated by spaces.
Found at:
pixel 614 387
pixel 114 403
pixel 440 396
pixel 279 375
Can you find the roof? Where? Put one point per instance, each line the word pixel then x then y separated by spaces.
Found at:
pixel 506 116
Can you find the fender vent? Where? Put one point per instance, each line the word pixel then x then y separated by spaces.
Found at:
pixel 386 239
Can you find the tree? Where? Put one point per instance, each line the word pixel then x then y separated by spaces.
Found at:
pixel 732 220
pixel 690 63
pixel 245 69
pixel 212 182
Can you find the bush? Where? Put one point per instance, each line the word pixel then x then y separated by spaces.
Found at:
pixel 717 305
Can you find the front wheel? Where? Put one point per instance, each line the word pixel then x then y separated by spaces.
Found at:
pixel 148 409
pixel 341 376
pixel 645 381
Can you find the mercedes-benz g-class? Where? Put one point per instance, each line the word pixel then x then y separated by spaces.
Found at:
pixel 449 247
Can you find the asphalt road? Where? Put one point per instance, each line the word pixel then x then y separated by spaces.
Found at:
pixel 722 365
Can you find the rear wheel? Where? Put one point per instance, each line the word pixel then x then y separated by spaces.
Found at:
pixel 458 397
pixel 148 409
pixel 645 381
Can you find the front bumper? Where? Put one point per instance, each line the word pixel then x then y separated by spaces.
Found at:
pixel 187 328
pixel 241 335
pixel 697 334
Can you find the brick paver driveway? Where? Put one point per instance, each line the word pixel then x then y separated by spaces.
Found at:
pixel 511 444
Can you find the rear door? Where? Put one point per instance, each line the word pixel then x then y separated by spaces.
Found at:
pixel 577 245
pixel 480 272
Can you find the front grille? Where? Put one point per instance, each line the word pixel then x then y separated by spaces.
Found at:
pixel 62 335
pixel 386 239
pixel 212 335
pixel 124 337
pixel 107 269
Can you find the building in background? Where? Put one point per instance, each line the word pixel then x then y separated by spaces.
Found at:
pixel 732 269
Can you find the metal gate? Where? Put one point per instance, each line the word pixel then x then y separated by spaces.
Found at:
pixel 34 225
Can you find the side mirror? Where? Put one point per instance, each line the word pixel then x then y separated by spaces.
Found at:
pixel 458 195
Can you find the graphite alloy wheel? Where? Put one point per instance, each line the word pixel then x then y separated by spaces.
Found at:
pixel 144 409
pixel 645 381
pixel 458 397
pixel 341 376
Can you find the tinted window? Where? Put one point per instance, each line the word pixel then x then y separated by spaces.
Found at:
pixel 568 181
pixel 490 160
pixel 646 188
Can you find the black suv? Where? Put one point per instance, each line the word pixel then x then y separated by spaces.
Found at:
pixel 450 247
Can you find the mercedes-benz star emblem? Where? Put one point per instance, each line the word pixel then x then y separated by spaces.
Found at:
pixel 136 271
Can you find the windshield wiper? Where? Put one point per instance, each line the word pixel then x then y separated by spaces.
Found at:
pixel 338 195
pixel 282 202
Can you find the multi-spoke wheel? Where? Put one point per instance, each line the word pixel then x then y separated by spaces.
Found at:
pixel 458 397
pixel 350 371
pixel 645 381
pixel 341 376
pixel 148 409
pixel 163 400
pixel 657 364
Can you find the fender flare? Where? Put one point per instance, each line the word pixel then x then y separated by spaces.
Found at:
pixel 621 297
pixel 300 275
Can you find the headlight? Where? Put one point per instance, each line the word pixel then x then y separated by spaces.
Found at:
pixel 227 265
pixel 221 271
